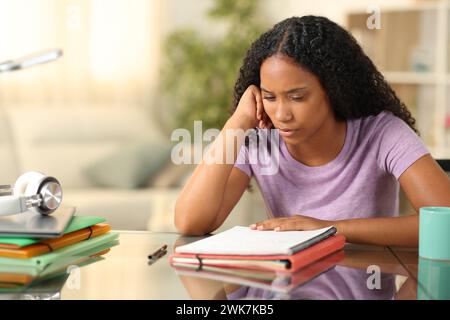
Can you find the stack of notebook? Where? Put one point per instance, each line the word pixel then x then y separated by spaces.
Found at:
pixel 272 280
pixel 261 258
pixel 28 261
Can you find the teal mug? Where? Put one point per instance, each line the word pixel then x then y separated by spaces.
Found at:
pixel 434 233
pixel 434 280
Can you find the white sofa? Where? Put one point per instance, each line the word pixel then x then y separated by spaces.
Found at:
pixel 63 141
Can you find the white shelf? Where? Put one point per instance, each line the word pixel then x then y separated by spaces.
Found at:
pixel 406 77
pixel 431 110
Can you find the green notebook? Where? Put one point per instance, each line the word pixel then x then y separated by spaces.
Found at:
pixel 78 249
pixel 32 270
pixel 77 223
pixel 56 270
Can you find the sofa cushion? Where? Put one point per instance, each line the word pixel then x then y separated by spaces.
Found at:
pixel 130 166
pixel 63 141
pixel 122 209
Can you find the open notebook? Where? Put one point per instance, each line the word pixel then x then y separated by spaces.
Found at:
pixel 242 247
pixel 245 241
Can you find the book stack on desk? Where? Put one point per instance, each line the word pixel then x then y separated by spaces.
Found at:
pixel 245 256
pixel 272 280
pixel 27 261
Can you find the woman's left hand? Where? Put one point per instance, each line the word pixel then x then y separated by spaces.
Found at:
pixel 292 223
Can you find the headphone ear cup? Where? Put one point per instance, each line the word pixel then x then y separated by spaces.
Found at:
pixel 22 183
pixel 32 188
pixel 28 184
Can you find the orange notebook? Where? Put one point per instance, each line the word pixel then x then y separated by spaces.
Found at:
pixel 286 263
pixel 46 246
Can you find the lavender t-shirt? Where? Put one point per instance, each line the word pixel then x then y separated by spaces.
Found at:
pixel 361 182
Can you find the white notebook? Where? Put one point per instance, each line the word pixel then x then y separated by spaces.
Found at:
pixel 245 241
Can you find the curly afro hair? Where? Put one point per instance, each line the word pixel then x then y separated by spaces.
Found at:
pixel 353 84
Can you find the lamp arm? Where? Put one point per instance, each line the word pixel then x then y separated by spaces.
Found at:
pixel 31 60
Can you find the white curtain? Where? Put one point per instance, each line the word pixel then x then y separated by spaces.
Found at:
pixel 111 51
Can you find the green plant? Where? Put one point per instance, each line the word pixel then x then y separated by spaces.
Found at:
pixel 199 73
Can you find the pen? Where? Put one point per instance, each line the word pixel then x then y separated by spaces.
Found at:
pixel 158 253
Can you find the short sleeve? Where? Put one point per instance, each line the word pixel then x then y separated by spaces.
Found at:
pixel 399 145
pixel 242 161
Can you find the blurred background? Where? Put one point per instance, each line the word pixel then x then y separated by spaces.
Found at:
pixel 100 118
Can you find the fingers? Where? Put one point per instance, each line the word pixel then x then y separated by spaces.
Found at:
pixel 268 123
pixel 263 119
pixel 289 226
pixel 296 222
pixel 265 122
pixel 261 124
pixel 277 224
pixel 259 105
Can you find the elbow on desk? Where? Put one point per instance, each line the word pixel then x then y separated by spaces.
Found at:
pixel 189 229
pixel 186 226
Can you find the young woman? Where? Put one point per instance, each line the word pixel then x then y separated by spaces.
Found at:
pixel 346 143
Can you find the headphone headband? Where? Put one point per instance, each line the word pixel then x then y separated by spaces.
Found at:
pixel 10 205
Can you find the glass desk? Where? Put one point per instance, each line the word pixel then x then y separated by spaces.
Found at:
pixel 363 272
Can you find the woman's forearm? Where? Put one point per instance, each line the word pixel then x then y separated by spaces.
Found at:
pixel 396 231
pixel 200 200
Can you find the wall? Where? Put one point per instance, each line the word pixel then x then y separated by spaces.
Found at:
pixel 181 13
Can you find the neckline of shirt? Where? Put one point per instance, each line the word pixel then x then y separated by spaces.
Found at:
pixel 333 163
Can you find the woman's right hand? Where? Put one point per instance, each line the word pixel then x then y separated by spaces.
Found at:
pixel 250 110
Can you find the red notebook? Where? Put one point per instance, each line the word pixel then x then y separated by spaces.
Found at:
pixel 288 263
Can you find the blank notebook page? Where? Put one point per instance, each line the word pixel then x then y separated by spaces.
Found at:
pixel 245 241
